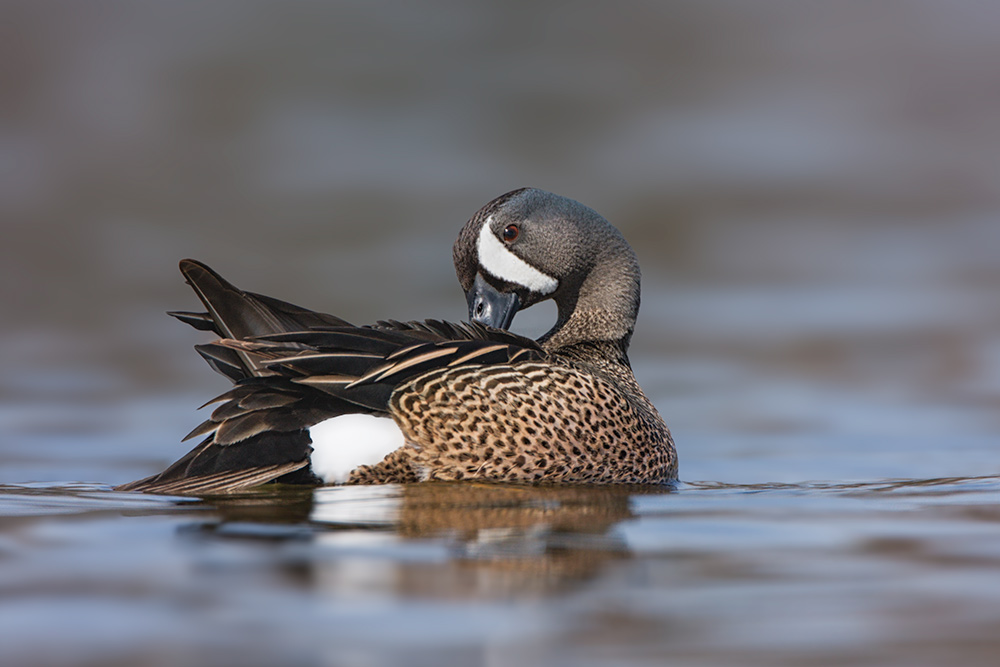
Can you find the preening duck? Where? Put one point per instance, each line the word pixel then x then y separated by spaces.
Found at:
pixel 320 401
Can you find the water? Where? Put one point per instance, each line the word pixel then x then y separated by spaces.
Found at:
pixel 812 193
pixel 865 573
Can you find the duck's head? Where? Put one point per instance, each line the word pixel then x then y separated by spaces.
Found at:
pixel 528 246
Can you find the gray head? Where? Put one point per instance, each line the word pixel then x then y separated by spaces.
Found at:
pixel 528 246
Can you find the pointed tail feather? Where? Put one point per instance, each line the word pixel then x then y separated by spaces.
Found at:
pixel 233 313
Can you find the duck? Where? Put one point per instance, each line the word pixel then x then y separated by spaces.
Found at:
pixel 317 400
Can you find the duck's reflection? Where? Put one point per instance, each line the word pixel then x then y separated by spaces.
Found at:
pixel 439 540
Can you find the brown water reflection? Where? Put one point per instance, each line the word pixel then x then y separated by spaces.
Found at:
pixel 503 540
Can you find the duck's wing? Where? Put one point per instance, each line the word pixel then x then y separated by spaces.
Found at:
pixel 294 368
pixel 211 470
pixel 257 433
pixel 364 365
pixel 259 430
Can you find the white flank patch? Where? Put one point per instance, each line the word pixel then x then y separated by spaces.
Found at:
pixel 343 443
pixel 505 265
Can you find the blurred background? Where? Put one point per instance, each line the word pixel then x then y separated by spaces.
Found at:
pixel 813 190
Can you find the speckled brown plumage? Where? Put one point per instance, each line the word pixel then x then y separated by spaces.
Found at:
pixel 558 420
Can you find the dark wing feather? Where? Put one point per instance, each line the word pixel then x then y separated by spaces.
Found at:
pixel 200 321
pixel 352 372
pixel 368 382
pixel 368 398
pixel 438 330
pixel 268 405
pixel 211 468
pixel 224 361
pixel 230 481
pixel 233 313
pixel 240 314
pixel 326 363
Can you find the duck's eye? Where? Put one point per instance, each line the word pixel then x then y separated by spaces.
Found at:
pixel 510 233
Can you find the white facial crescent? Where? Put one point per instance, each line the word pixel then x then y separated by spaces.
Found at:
pixel 505 265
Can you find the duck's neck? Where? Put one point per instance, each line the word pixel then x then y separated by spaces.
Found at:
pixel 603 310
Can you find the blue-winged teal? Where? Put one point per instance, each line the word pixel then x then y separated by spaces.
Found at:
pixel 318 400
